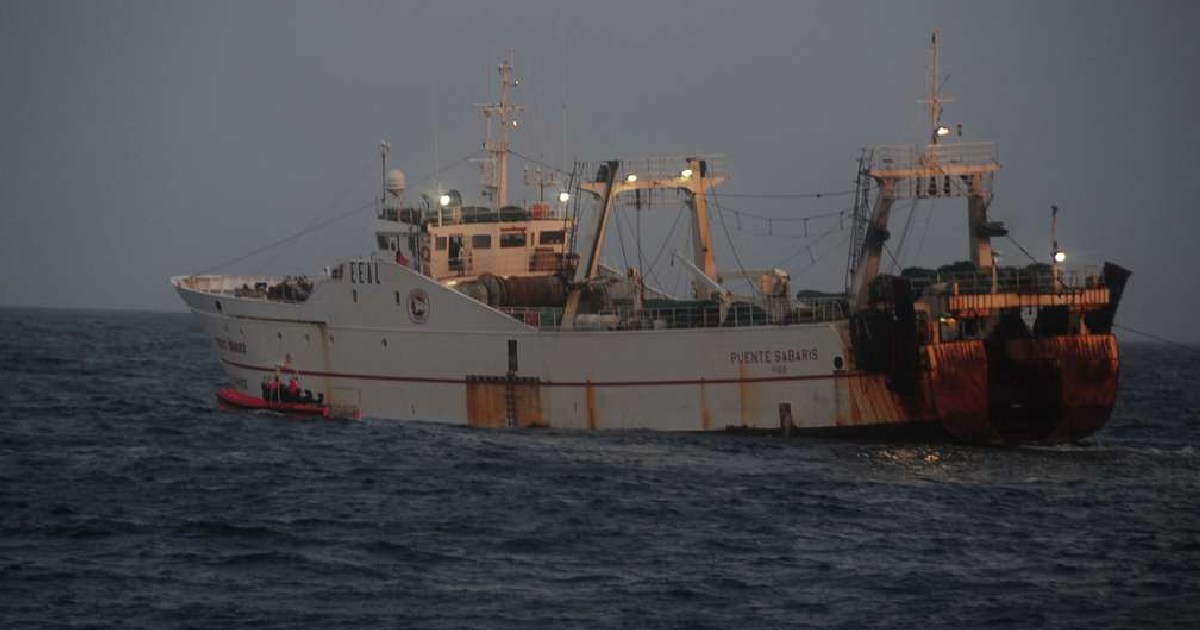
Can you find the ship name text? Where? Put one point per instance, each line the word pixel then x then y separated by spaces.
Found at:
pixel 229 345
pixel 789 355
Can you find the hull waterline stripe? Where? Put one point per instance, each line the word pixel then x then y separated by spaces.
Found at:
pixel 463 381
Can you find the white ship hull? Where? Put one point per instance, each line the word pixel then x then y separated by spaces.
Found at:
pixel 464 363
pixel 502 315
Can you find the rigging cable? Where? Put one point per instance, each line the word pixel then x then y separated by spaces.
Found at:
pixel 904 236
pixel 1158 338
pixel 858 220
pixel 572 193
pixel 818 259
pixel 810 247
pixel 733 247
pixel 816 195
pixel 921 243
pixel 621 239
pixel 295 235
pixel 538 162
pixel 804 236
pixel 1023 250
pixel 770 232
pixel 289 238
pixel 811 217
pixel 912 210
pixel 666 241
pixel 891 255
pixel 641 268
pixel 337 200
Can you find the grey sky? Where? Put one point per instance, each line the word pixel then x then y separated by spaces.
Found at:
pixel 144 139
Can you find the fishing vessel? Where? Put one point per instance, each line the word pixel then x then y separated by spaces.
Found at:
pixel 500 314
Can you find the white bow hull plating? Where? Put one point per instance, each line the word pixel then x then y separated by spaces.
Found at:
pixel 359 345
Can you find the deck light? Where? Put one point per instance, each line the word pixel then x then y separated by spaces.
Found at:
pixel 631 178
pixel 1060 256
pixel 445 200
pixel 685 173
pixel 943 131
pixel 564 196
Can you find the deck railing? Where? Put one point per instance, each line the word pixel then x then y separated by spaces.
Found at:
pixel 695 315
pixel 907 156
pixel 667 167
pixel 286 289
pixel 224 285
pixel 1010 280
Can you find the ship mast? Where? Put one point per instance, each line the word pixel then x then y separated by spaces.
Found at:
pixel 495 170
pixel 934 99
pixel 934 171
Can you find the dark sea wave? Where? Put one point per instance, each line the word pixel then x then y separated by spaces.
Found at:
pixel 128 499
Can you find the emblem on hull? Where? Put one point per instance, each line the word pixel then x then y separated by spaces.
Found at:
pixel 418 306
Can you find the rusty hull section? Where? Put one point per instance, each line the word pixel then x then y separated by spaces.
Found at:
pixel 1054 389
pixel 1047 390
pixel 1031 390
pixel 866 399
pixel 1004 384
pixel 504 402
pixel 956 389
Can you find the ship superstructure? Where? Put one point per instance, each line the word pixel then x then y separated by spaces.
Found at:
pixel 498 314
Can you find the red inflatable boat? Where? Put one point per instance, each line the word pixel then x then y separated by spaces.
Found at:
pixel 234 398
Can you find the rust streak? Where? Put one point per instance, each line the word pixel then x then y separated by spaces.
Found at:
pixel 529 404
pixel 840 402
pixel 485 404
pixel 745 395
pixel 958 378
pixel 592 416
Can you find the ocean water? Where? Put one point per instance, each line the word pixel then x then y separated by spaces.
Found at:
pixel 128 499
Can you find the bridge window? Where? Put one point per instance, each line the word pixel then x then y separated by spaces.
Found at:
pixel 481 241
pixel 554 237
pixel 512 239
pixel 439 243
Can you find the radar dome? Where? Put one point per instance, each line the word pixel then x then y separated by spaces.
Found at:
pixel 395 181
